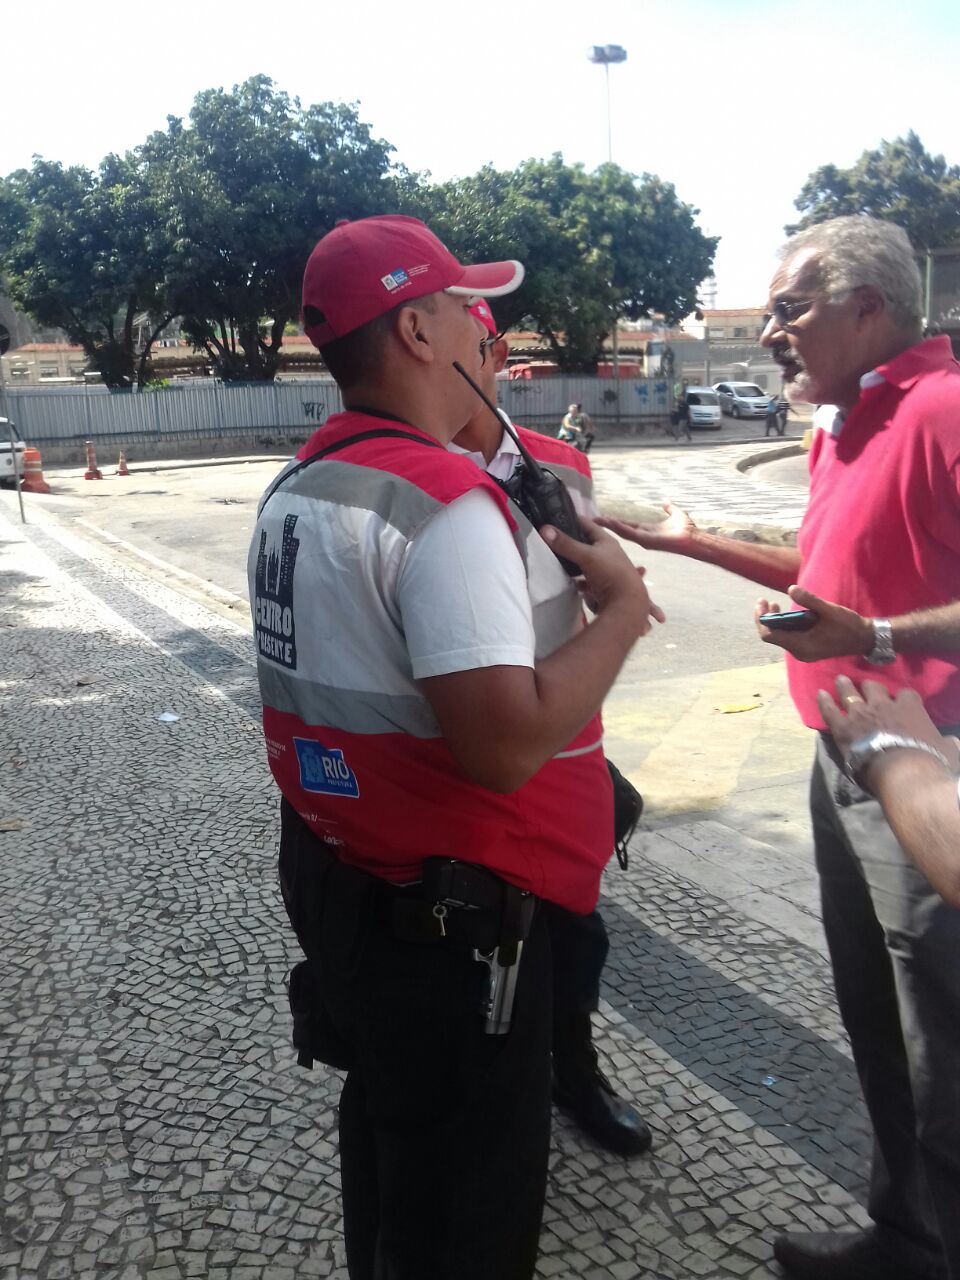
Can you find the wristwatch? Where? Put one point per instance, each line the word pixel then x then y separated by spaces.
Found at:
pixel 865 749
pixel 882 652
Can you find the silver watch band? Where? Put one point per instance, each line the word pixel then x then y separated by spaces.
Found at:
pixel 882 653
pixel 867 748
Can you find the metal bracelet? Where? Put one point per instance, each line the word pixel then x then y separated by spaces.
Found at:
pixel 866 749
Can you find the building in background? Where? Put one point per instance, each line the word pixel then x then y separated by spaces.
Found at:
pixel 942 293
pixel 38 364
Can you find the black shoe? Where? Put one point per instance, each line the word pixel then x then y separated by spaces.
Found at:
pixel 608 1119
pixel 853 1255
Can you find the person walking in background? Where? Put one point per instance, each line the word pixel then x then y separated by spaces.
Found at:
pixel 772 420
pixel 682 416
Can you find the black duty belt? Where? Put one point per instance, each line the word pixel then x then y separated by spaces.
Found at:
pixel 460 903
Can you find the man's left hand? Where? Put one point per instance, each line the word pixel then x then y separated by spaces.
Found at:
pixel 837 633
pixel 872 708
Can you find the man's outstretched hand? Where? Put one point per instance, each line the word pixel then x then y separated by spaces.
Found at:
pixel 675 533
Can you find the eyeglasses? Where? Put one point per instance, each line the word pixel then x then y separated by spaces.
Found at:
pixel 484 344
pixel 786 312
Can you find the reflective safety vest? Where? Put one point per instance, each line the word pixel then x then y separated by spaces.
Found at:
pixel 352 742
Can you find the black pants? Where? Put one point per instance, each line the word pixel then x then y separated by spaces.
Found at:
pixel 895 948
pixel 578 949
pixel 444 1130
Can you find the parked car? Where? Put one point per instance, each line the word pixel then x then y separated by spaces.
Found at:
pixel 742 399
pixel 7 476
pixel 704 408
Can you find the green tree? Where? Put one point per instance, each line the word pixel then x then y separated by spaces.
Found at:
pixel 899 181
pixel 81 251
pixel 247 189
pixel 597 246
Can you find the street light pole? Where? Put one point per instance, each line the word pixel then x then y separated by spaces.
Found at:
pixel 606 73
pixel 603 55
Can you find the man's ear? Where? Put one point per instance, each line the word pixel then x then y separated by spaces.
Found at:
pixel 411 329
pixel 500 351
pixel 871 304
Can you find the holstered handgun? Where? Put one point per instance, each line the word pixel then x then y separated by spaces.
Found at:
pixel 503 962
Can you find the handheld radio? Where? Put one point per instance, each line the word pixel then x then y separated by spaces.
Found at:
pixel 543 497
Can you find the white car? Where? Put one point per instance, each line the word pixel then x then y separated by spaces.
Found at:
pixel 7 476
pixel 742 399
pixel 703 408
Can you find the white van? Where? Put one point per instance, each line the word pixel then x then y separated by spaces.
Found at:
pixel 703 405
pixel 7 475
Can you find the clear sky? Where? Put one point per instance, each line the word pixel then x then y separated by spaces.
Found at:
pixel 734 101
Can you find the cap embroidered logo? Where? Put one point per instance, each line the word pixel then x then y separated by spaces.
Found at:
pixel 348 279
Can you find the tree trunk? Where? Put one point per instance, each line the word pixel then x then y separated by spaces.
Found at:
pixel 145 354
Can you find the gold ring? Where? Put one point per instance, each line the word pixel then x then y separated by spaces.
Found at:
pixel 851 698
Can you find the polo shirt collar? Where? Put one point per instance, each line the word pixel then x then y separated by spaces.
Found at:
pixel 924 357
pixel 900 372
pixel 503 462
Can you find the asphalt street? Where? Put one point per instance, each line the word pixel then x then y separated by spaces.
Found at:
pixel 199 519
pixel 699 717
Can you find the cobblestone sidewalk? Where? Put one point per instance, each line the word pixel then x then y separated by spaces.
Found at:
pixel 704 482
pixel 154 1123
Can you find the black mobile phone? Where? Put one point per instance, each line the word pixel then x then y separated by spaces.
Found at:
pixel 792 620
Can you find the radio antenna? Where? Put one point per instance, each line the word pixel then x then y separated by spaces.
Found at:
pixel 532 465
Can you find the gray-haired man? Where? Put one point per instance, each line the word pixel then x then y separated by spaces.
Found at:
pixel 878 562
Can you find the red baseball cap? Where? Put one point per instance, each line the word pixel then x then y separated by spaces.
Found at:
pixel 481 309
pixel 361 270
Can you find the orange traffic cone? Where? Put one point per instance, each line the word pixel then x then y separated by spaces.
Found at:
pixel 122 469
pixel 92 472
pixel 33 481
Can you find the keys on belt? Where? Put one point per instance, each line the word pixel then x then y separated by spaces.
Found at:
pixel 470 904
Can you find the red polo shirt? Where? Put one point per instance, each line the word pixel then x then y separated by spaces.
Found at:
pixel 882 530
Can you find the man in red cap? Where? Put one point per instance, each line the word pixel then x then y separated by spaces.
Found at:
pixel 578 943
pixel 430 705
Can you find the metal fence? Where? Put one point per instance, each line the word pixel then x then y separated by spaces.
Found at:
pixel 539 401
pixel 62 415
pixel 207 409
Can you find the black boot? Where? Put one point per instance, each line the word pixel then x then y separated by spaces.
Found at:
pixel 582 1091
pixel 854 1255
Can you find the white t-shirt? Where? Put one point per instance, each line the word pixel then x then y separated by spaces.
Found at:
pixel 463 592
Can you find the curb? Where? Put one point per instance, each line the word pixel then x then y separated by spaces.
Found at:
pixel 785 451
pixel 185 464
pixel 283 455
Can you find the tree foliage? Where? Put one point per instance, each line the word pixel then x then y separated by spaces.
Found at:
pixel 81 251
pixel 899 181
pixel 597 247
pixel 246 191
pixel 212 220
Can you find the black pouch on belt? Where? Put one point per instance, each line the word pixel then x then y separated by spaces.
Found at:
pixel 314 1036
pixel 627 808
